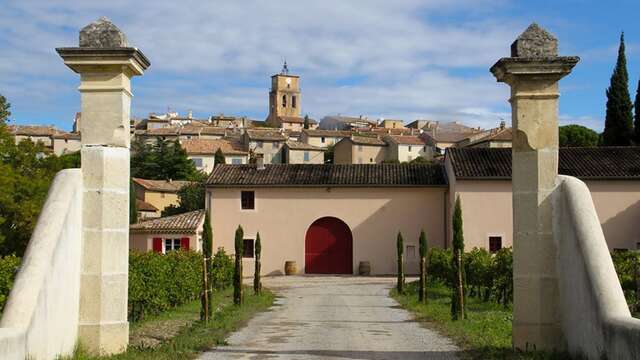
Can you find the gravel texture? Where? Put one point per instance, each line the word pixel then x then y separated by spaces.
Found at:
pixel 334 317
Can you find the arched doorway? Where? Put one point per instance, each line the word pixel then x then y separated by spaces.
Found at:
pixel 328 247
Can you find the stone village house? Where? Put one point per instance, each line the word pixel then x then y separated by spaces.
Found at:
pixel 169 233
pixel 158 193
pixel 329 218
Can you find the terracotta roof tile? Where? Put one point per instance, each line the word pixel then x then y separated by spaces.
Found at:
pixel 321 175
pixel 186 223
pixel 210 146
pixel 162 185
pixel 34 130
pixel 297 145
pixel 145 206
pixel 584 163
pixel 267 135
pixel 367 140
pixel 406 140
pixel 326 133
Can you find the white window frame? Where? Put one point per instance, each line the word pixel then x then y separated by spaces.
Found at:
pixel 172 245
pixel 490 235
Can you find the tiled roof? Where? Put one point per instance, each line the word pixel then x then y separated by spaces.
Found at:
pixel 34 130
pixel 297 145
pixel 447 136
pixel 324 175
pixel 326 133
pixel 292 119
pixel 494 135
pixel 209 147
pixel 186 223
pixel 267 135
pixel 164 131
pixel 161 185
pixel 144 206
pixel 406 140
pixel 584 163
pixel 67 136
pixel 367 140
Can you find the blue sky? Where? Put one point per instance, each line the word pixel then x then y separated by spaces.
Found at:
pixel 403 59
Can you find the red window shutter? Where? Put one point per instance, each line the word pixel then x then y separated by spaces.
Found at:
pixel 157 245
pixel 184 243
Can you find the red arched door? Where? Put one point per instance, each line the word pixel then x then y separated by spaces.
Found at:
pixel 328 247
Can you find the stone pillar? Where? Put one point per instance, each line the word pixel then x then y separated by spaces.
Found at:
pixel 533 72
pixel 106 64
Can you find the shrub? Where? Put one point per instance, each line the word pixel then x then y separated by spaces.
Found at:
pixel 158 282
pixel 9 266
pixel 440 264
pixel 627 264
pixel 502 269
pixel 478 268
pixel 222 268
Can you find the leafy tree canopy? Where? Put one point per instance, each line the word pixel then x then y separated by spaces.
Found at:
pixel 577 136
pixel 162 160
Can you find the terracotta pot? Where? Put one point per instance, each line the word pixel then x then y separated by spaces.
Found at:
pixel 290 268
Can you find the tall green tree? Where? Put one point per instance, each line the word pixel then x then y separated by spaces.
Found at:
pixel 257 284
pixel 306 121
pixel 422 292
pixel 577 136
pixel 162 160
pixel 618 125
pixel 133 209
pixel 4 110
pixel 218 157
pixel 207 252
pixel 457 298
pixel 400 259
pixel 190 198
pixel 636 122
pixel 237 273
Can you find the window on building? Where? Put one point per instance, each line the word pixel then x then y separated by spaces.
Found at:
pixel 370 160
pixel 275 145
pixel 411 252
pixel 322 139
pixel 248 200
pixel 359 147
pixel 259 144
pixel 306 156
pixel 247 248
pixel 495 243
pixel 197 162
pixel 236 161
pixel 293 101
pixel 284 100
pixel 171 245
pixel 424 148
pixel 638 246
pixel 409 148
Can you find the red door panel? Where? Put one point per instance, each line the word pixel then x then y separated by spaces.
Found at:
pixel 328 247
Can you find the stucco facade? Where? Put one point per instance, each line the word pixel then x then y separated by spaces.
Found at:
pixel 374 216
pixel 144 242
pixel 347 151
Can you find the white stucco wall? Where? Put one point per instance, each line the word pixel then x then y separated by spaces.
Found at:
pixel 45 299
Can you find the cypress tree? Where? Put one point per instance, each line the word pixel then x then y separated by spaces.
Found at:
pixel 207 251
pixel 4 110
pixel 637 115
pixel 618 125
pixel 400 248
pixel 306 121
pixel 237 273
pixel 257 285
pixel 457 298
pixel 422 295
pixel 218 157
pixel 133 209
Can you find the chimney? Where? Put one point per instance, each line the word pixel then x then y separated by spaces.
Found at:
pixel 260 163
pixel 503 124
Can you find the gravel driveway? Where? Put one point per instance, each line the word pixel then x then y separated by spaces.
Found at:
pixel 333 317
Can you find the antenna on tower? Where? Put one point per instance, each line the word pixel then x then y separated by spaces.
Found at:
pixel 285 68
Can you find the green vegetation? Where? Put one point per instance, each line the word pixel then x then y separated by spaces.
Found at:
pixel 422 290
pixel 636 122
pixel 162 160
pixel 457 293
pixel 257 284
pixel 400 252
pixel 484 334
pixel 618 126
pixel 190 198
pixel 9 266
pixel 207 252
pixel 237 274
pixel 577 136
pixel 25 177
pixel 218 157
pixel 222 269
pixel 627 264
pixel 199 336
pixel 306 121
pixel 133 208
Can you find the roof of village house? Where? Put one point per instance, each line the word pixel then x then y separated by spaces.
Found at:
pixel 145 206
pixel 266 135
pixel 68 136
pixel 34 130
pixel 292 119
pixel 448 136
pixel 366 140
pixel 495 135
pixel 406 140
pixel 162 185
pixel 326 175
pixel 186 223
pixel 326 133
pixel 298 145
pixel 585 163
pixel 210 146
pixel 163 131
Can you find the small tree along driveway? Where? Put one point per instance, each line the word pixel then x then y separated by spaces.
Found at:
pixel 334 317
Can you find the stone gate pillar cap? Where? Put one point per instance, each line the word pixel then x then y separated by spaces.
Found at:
pixel 102 33
pixel 535 42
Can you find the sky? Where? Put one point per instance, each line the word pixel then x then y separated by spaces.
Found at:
pixel 406 59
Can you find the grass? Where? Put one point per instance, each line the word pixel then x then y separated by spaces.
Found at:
pixel 485 334
pixel 198 337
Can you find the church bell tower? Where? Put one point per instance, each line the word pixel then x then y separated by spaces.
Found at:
pixel 284 97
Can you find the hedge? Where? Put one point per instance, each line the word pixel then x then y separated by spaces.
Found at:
pixel 627 264
pixel 9 266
